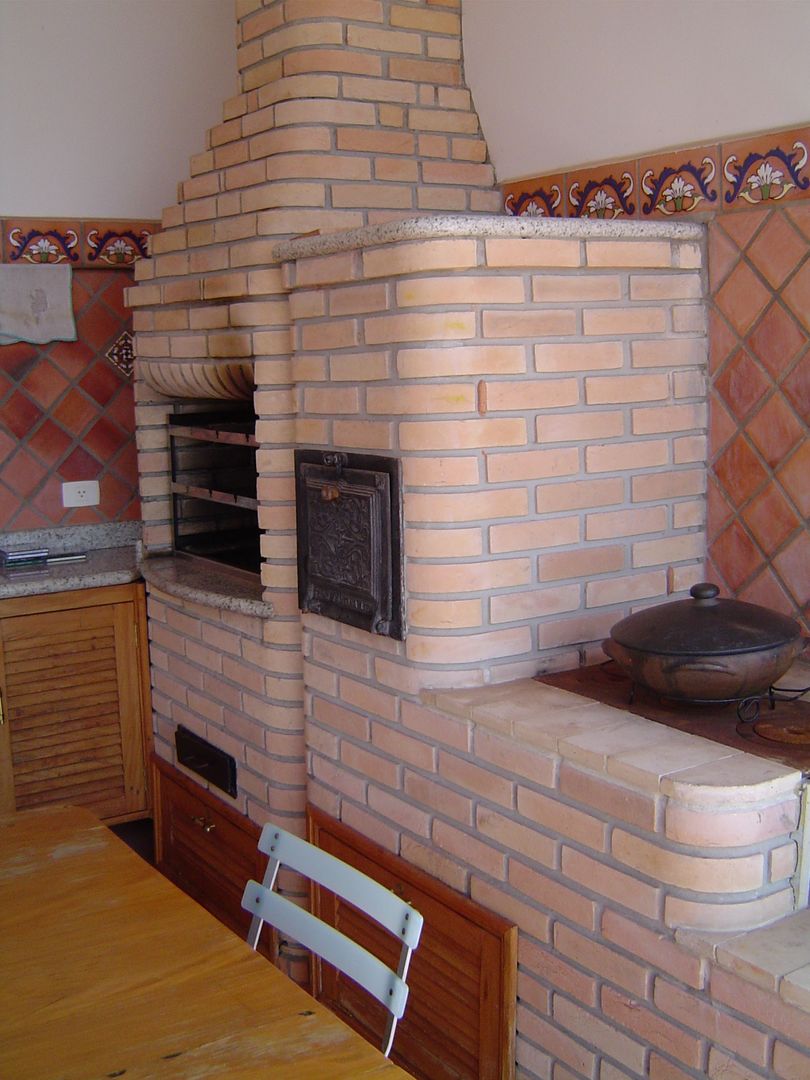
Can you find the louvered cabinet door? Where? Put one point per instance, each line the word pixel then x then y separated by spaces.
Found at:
pixel 74 699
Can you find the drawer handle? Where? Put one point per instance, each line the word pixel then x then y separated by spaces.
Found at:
pixel 205 825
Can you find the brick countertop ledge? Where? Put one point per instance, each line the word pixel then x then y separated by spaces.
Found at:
pixel 691 774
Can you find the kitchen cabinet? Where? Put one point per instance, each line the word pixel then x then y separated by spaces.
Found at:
pixel 75 713
pixel 207 848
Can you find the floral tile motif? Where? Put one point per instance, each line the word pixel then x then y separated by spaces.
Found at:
pixel 42 241
pixel 115 243
pixel 541 197
pixel 766 169
pixel 79 243
pixel 604 192
pixel 679 182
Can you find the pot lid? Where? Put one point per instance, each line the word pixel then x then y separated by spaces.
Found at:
pixel 705 625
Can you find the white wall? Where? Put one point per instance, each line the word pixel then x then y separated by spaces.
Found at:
pixel 103 102
pixel 560 83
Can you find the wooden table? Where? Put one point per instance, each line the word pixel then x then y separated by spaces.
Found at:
pixel 108 970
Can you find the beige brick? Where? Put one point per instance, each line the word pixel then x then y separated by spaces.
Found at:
pixel 728 829
pixel 554 288
pixel 529 535
pixel 444 48
pixel 375 141
pixel 375 195
pixel 611 884
pixel 665 286
pixel 433 291
pixel 584 563
pixel 420 256
pixel 536 323
pixel 579 427
pixel 668 485
pixel 289 141
pixel 410 400
pixel 459 123
pixel 669 549
pixel 651 1027
pixel 462 174
pixel 621 590
pixel 531 394
pixel 332 334
pixel 449 578
pixel 616 389
pixel 640 320
pixel 358 299
pixel 689 319
pixel 534 603
pixel 283 194
pixel 505 831
pixel 433 146
pixel 434 22
pixel 468 649
pixel 386 41
pixel 307 305
pixel 588 627
pixel 440 471
pixel 533 252
pixel 631 253
pixel 685 515
pixel 359 367
pixel 446 325
pixel 391 115
pixel 618 523
pixel 633 455
pixel 318 166
pixel 462 434
pixel 531 464
pixel 441 544
pixel 468 149
pixel 669 418
pixel 461 360
pixel 331 400
pixel 445 614
pixel 549 893
pixel 674 352
pixel 452 97
pixel 579 356
pixel 466 506
pixel 688 384
pixel 696 873
pixel 324 111
pixel 361 88
pixel 396 169
pixel 363 434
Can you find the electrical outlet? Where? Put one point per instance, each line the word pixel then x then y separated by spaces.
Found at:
pixel 80 493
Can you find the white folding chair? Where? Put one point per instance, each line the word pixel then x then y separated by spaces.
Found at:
pixel 397 916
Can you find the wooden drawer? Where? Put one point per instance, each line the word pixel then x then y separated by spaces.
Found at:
pixel 207 849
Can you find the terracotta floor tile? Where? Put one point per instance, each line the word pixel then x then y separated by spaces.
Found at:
pixel 9 506
pixel 742 228
pixel 104 439
pixel 20 414
pixel 45 383
pixel 115 497
pixel 768 591
pixel 722 340
pixel 739 471
pixel 50 443
pixel 742 384
pixel 775 430
pixel 770 519
pixel 776 340
pixel 736 556
pixel 742 298
pixel 8 444
pixel 97 326
pixel 48 501
pixel 719 509
pixel 75 413
pixel 722 428
pixel 125 464
pixel 723 256
pixel 793 567
pixel 23 473
pixel 777 250
pixel 18 359
pixel 799 215
pixel 102 381
pixel 71 357
pixel 121 410
pixel 796 295
pixel 794 476
pixel 796 387
pixel 79 465
pixel 29 517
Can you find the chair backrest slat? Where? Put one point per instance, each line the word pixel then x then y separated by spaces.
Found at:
pixel 391 912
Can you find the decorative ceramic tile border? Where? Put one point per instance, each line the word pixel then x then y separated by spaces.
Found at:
pixel 728 176
pixel 90 243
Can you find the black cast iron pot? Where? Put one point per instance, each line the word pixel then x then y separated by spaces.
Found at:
pixel 705 649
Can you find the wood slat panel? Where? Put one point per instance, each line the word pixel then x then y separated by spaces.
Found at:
pixel 460 1019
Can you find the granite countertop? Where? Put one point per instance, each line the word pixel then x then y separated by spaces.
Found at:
pixel 112 558
pixel 206 583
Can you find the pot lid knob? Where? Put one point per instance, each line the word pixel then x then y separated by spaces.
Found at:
pixel 705 592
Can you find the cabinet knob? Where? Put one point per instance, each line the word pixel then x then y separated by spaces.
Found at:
pixel 204 823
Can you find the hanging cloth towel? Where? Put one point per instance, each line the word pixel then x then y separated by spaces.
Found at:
pixel 36 304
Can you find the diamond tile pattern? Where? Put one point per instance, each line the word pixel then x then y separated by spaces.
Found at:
pixel 67 413
pixel 759 535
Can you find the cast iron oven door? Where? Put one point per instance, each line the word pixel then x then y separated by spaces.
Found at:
pixel 349 522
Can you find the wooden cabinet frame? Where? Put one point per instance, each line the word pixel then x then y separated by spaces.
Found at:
pixel 76 706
